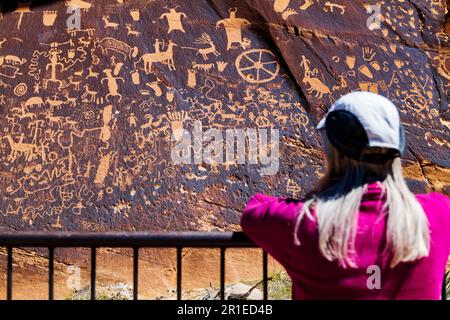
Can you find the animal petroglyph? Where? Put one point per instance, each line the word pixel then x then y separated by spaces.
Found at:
pixel 165 57
pixel 203 66
pixel 34 102
pixel 49 18
pixel 316 86
pixel 205 39
pixel 110 44
pixel 89 94
pixel 130 30
pixel 13 60
pixel 22 112
pixel 20 148
pixel 109 24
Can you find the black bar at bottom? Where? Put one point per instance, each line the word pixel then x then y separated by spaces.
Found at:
pixel 265 278
pixel 93 271
pixel 222 273
pixel 63 239
pixel 444 286
pixel 179 272
pixel 51 252
pixel 9 274
pixel 135 272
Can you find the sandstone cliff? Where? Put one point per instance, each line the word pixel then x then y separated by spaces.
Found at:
pixel 87 115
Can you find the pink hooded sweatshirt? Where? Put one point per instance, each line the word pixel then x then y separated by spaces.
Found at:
pixel 270 223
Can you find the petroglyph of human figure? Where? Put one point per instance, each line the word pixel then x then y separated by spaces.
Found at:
pixel 233 28
pixel 110 44
pixel 54 58
pixel 113 87
pixel 36 88
pixel 174 19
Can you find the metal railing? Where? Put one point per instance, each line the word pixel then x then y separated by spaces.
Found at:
pixel 134 240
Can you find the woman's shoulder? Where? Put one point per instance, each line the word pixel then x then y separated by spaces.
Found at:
pixel 434 199
pixel 262 206
pixel 436 206
pixel 274 202
pixel 263 198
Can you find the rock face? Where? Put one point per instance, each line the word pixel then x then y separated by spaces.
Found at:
pixel 95 97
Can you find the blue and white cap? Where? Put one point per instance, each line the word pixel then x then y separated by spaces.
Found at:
pixel 360 121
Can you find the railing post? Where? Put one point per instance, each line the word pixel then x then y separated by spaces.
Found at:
pixel 265 277
pixel 222 273
pixel 135 272
pixel 51 252
pixel 444 286
pixel 93 271
pixel 179 272
pixel 9 273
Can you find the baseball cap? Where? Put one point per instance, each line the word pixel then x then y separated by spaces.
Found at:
pixel 359 122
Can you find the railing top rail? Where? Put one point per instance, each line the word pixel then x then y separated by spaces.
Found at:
pixel 126 239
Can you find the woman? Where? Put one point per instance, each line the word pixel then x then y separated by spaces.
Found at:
pixel 361 233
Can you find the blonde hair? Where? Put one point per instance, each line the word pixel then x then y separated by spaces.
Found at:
pixel 336 202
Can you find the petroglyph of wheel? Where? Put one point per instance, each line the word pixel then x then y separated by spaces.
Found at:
pixel 257 65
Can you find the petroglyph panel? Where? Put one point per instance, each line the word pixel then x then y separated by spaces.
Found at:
pixel 87 115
